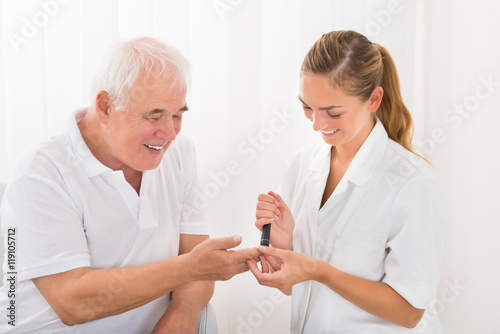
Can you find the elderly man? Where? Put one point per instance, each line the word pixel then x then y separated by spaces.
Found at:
pixel 109 239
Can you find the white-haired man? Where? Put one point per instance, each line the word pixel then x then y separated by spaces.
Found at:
pixel 109 239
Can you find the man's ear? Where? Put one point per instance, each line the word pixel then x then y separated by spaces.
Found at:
pixel 103 106
pixel 375 99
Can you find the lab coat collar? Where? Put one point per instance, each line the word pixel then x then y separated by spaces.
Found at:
pixel 319 158
pixel 364 162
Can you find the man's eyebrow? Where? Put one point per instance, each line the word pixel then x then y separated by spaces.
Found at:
pixel 323 108
pixel 161 111
pixel 156 111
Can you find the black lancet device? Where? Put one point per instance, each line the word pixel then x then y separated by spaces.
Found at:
pixel 266 235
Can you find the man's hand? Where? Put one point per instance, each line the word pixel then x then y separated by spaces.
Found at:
pixel 212 260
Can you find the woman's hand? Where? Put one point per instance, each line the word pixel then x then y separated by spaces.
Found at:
pixel 271 209
pixel 294 268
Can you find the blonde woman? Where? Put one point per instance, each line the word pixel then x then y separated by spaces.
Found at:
pixel 357 230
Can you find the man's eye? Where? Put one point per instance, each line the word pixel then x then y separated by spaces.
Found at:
pixel 155 118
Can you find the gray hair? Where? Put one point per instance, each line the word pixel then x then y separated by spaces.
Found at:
pixel 129 59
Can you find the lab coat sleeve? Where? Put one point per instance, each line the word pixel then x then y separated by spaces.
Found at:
pixel 417 227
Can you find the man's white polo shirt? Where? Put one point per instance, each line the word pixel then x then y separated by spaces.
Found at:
pixel 71 211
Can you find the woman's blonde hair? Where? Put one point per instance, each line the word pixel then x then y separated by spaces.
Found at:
pixel 357 66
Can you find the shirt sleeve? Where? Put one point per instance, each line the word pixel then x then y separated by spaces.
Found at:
pixel 193 219
pixel 49 230
pixel 416 241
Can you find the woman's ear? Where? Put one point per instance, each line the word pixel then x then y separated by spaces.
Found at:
pixel 375 99
pixel 103 105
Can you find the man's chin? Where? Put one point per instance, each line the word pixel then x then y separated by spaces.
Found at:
pixel 153 164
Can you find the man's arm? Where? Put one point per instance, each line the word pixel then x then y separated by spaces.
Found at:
pixel 83 294
pixel 188 300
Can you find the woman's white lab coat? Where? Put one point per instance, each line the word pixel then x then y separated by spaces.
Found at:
pixel 384 222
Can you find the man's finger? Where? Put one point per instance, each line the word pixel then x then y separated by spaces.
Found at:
pixel 253 253
pixel 243 255
pixel 271 251
pixel 242 268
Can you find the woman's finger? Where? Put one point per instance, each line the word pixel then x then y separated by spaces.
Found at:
pixel 264 265
pixel 265 214
pixel 267 206
pixel 277 198
pixel 274 264
pixel 263 221
pixel 266 198
pixel 252 264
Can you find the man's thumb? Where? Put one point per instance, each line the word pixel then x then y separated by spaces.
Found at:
pixel 228 242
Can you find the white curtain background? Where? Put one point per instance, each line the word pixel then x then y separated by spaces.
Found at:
pixel 245 118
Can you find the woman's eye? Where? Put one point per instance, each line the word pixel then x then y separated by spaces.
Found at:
pixel 334 116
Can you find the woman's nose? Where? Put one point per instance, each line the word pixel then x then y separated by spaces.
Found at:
pixel 318 121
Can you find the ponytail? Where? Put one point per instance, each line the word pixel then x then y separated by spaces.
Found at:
pixel 392 111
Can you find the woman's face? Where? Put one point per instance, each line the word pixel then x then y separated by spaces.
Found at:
pixel 343 120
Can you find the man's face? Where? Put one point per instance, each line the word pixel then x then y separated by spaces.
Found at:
pixel 139 135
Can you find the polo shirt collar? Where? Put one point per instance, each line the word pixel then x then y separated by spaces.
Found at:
pixel 84 157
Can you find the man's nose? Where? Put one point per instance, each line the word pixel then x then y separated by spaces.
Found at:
pixel 166 129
